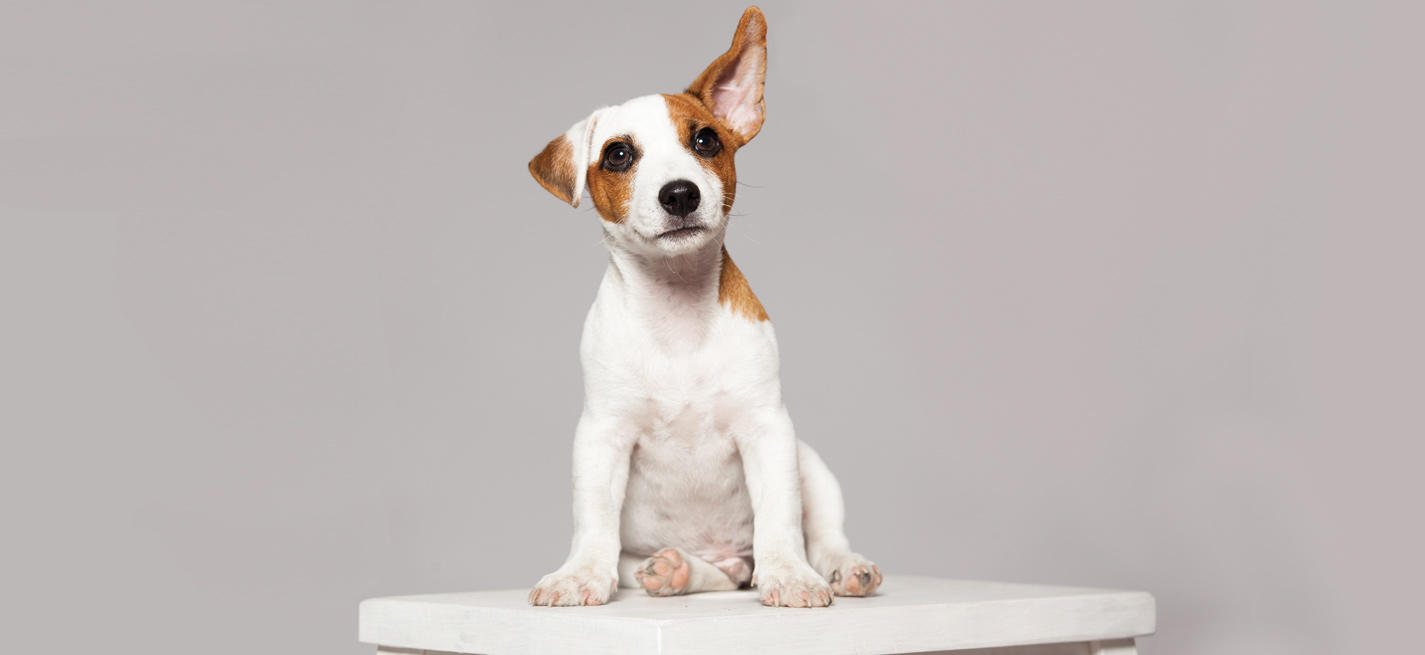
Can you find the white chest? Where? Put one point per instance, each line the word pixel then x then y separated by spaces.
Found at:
pixel 678 380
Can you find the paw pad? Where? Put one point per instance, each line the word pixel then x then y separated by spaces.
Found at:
pixel 664 574
pixel 855 579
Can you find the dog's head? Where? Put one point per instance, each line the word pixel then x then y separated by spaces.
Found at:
pixel 659 168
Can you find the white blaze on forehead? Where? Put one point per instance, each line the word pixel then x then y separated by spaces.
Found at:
pixel 645 119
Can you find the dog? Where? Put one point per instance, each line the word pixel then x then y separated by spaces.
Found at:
pixel 688 476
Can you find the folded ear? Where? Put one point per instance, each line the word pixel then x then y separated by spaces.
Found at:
pixel 731 87
pixel 564 164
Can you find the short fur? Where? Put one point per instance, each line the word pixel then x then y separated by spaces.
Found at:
pixel 687 474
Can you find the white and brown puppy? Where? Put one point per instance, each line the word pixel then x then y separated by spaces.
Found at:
pixel 687 473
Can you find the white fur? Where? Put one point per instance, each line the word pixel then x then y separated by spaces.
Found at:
pixel 684 441
pixel 580 136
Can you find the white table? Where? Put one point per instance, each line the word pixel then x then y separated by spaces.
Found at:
pixel 911 614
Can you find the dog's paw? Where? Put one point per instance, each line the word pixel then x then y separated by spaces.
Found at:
pixel 665 574
pixel 579 586
pixel 855 576
pixel 791 585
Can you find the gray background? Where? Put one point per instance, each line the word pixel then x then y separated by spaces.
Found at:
pixel 1109 294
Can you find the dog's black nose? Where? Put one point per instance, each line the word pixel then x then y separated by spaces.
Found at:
pixel 679 197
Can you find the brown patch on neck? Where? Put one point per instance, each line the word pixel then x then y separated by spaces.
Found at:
pixel 690 115
pixel 733 291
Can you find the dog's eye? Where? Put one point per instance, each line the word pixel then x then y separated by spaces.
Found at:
pixel 618 157
pixel 706 143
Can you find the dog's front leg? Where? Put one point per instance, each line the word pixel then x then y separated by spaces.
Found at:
pixel 601 461
pixel 768 446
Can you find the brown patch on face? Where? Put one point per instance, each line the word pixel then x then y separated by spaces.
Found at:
pixel 611 190
pixel 690 115
pixel 554 169
pixel 734 291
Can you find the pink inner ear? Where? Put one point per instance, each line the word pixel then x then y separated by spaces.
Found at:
pixel 737 96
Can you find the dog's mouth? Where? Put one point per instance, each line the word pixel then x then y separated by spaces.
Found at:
pixel 685 231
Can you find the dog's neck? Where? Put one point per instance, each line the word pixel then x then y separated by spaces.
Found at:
pixel 671 296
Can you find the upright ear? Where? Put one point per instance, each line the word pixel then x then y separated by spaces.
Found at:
pixel 731 87
pixel 563 165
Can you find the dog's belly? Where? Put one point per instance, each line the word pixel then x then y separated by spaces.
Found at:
pixel 687 491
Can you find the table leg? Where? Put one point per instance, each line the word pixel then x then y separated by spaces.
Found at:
pixel 1114 647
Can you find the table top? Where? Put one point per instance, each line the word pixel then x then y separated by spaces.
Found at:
pixel 909 614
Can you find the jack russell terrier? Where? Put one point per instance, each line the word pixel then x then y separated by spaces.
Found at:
pixel 687 473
